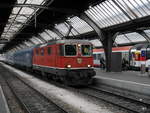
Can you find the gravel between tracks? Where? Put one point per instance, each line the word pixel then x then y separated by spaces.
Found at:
pixel 10 97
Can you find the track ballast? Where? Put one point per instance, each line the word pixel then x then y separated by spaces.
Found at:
pixel 30 99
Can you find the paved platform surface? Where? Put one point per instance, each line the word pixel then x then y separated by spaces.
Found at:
pixel 131 80
pixel 3 104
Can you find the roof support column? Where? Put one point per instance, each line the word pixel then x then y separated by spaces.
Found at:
pixel 141 32
pixel 107 44
pixel 97 29
pixel 105 38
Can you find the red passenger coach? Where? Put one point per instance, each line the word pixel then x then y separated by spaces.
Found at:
pixel 70 61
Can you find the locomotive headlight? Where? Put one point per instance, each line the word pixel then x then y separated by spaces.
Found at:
pixel 68 66
pixel 89 65
pixel 79 45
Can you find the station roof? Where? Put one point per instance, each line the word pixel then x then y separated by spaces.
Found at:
pixel 37 21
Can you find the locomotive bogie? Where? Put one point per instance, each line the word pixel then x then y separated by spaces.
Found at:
pixel 68 76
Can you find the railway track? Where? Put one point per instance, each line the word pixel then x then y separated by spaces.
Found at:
pixel 130 104
pixel 126 100
pixel 129 101
pixel 30 100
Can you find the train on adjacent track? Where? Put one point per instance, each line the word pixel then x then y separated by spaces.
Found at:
pixel 98 53
pixel 139 55
pixel 135 55
pixel 69 61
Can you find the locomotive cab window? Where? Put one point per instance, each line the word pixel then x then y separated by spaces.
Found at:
pixel 70 50
pixel 86 50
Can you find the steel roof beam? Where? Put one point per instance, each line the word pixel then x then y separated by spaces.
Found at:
pixel 122 9
pixel 49 34
pixel 41 38
pixel 61 10
pixel 141 32
pixel 93 25
pixel 114 37
pixel 36 39
pixel 70 28
pixel 31 42
pixel 58 33
pixel 15 16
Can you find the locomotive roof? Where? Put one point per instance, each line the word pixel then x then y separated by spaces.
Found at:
pixel 63 41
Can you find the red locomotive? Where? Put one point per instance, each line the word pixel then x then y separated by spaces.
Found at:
pixel 70 61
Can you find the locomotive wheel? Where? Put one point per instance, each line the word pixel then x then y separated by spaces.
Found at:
pixel 49 76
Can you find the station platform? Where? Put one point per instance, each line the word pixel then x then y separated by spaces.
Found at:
pixel 3 104
pixel 130 80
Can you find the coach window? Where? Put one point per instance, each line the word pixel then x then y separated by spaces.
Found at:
pixel 42 51
pixel 49 50
pixel 70 50
pixel 148 52
pixel 37 52
pixel 86 50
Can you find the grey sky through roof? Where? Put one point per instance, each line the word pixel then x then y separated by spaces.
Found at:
pixel 105 14
pixel 19 17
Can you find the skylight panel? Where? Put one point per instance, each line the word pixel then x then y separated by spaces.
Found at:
pixel 79 25
pixel 26 10
pixel 45 36
pixel 74 32
pixel 21 19
pixel 36 39
pixel 135 37
pixel 62 28
pixel 12 16
pixel 106 14
pixel 20 15
pixel 147 32
pixel 20 1
pixel 34 2
pixel 52 34
pixel 121 39
pixel 15 10
pixel 29 44
pixel 113 12
pixel 135 8
pixel 96 43
pixel 18 25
